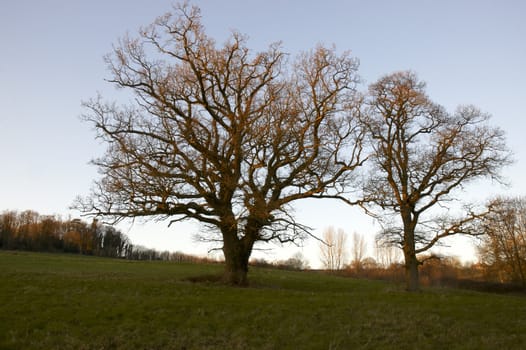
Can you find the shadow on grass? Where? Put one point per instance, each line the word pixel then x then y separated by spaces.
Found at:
pixel 206 279
pixel 484 286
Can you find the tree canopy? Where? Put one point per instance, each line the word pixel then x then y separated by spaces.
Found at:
pixel 420 157
pixel 223 135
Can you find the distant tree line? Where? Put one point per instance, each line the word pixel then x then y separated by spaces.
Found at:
pixel 30 231
pixel 296 262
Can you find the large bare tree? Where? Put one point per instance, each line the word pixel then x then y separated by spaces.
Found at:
pixel 421 156
pixel 221 134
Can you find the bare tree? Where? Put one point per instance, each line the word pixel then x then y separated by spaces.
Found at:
pixel 420 155
pixel 386 254
pixel 222 135
pixel 296 262
pixel 503 248
pixel 359 249
pixel 9 225
pixel 333 248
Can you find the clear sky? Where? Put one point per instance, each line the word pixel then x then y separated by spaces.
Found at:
pixel 468 51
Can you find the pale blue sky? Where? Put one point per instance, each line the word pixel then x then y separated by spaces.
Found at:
pixel 51 59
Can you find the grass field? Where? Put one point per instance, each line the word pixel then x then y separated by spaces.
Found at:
pixel 73 302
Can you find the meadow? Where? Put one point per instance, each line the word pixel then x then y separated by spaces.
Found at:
pixel 76 302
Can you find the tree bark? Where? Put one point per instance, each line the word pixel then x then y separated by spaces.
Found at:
pixel 412 280
pixel 411 274
pixel 237 253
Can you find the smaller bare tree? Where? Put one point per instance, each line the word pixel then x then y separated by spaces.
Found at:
pixel 296 262
pixel 420 156
pixel 387 254
pixel 503 248
pixel 359 249
pixel 333 248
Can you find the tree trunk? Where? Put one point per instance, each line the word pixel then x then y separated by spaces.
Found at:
pixel 236 268
pixel 237 253
pixel 412 280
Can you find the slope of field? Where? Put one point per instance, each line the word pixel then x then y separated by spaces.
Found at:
pixel 71 302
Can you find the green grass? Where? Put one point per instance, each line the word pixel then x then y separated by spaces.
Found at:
pixel 72 302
